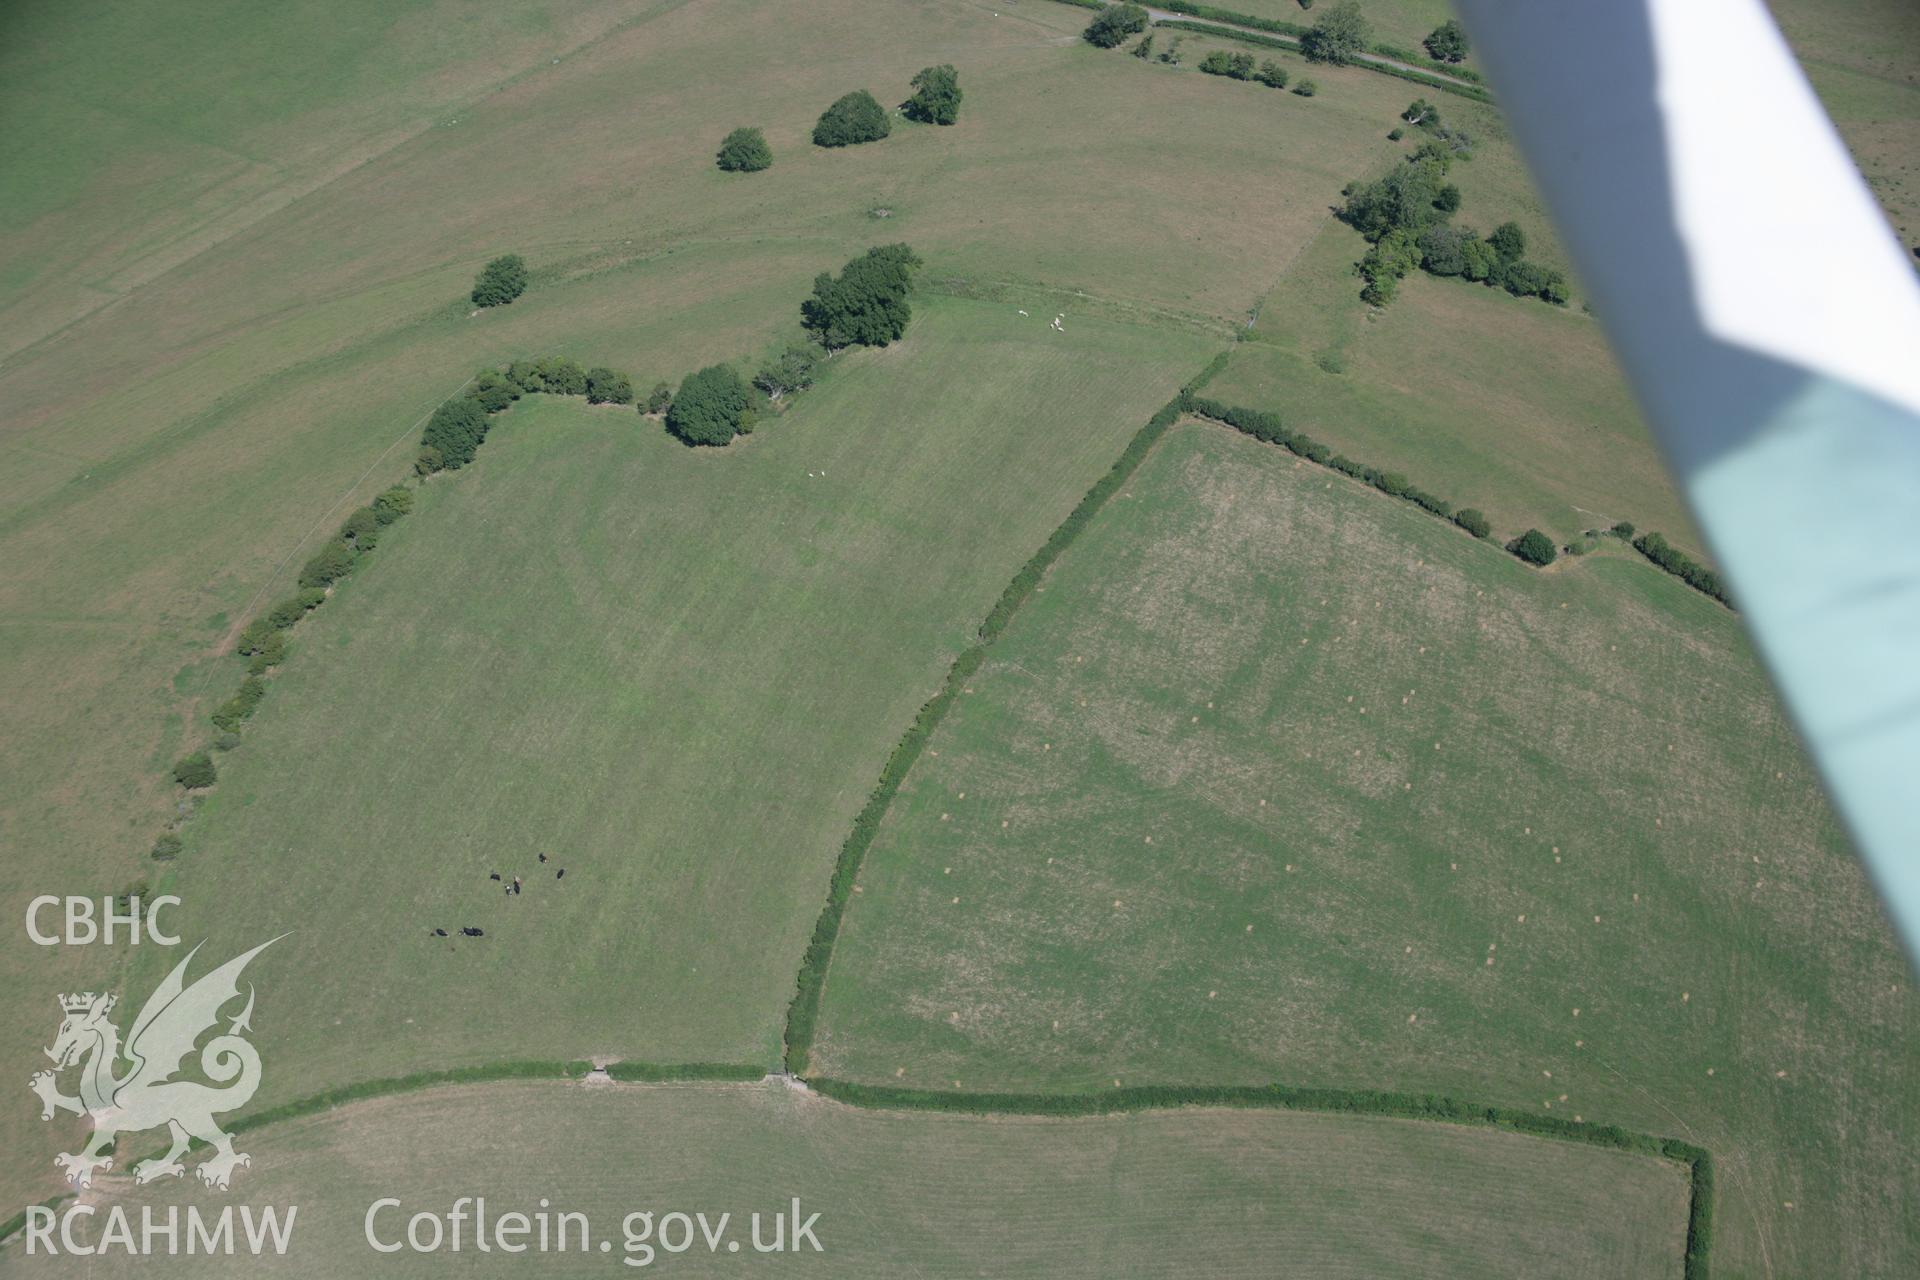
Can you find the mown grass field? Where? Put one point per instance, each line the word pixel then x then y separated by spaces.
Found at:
pixel 675 672
pixel 237 246
pixel 169 452
pixel 1220 1193
pixel 1281 780
pixel 1493 402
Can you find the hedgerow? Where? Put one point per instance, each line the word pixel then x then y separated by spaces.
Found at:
pixel 1682 566
pixel 1265 426
pixel 804 1012
pixel 1377 1102
pixel 658 1072
pixel 234 712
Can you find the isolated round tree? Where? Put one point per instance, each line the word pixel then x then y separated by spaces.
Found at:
pixel 744 151
pixel 1534 547
pixel 855 118
pixel 500 281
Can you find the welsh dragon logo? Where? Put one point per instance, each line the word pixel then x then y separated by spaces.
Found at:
pixel 146 1095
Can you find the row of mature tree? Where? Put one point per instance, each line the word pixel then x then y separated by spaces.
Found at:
pixel 262 643
pixel 1405 216
pixel 865 305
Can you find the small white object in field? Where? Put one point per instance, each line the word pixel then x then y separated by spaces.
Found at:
pixel 1023 313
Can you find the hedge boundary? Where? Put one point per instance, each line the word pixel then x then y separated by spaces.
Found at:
pixel 674 1072
pixel 1431 1107
pixel 810 985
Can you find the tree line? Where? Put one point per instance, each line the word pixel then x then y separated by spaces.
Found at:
pixel 864 305
pixel 262 643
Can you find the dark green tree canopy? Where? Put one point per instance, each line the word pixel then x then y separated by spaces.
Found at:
pixel 1474 522
pixel 455 431
pixel 1534 547
pixel 1509 241
pixel 329 564
pixel 1404 200
pixel 1114 24
pixel 500 281
pixel 605 386
pixel 744 151
pixel 1448 42
pixel 857 117
pixel 660 398
pixel 936 96
pixel 709 407
pixel 393 503
pixel 867 303
pixel 1340 33
pixel 195 771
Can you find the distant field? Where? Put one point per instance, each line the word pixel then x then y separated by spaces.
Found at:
pixel 1493 402
pixel 910 1194
pixel 1505 404
pixel 675 672
pixel 1281 780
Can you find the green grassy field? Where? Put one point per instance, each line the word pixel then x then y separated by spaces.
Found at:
pixel 237 246
pixel 1281 780
pixel 1502 403
pixel 1215 1192
pixel 1493 402
pixel 169 453
pixel 673 671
